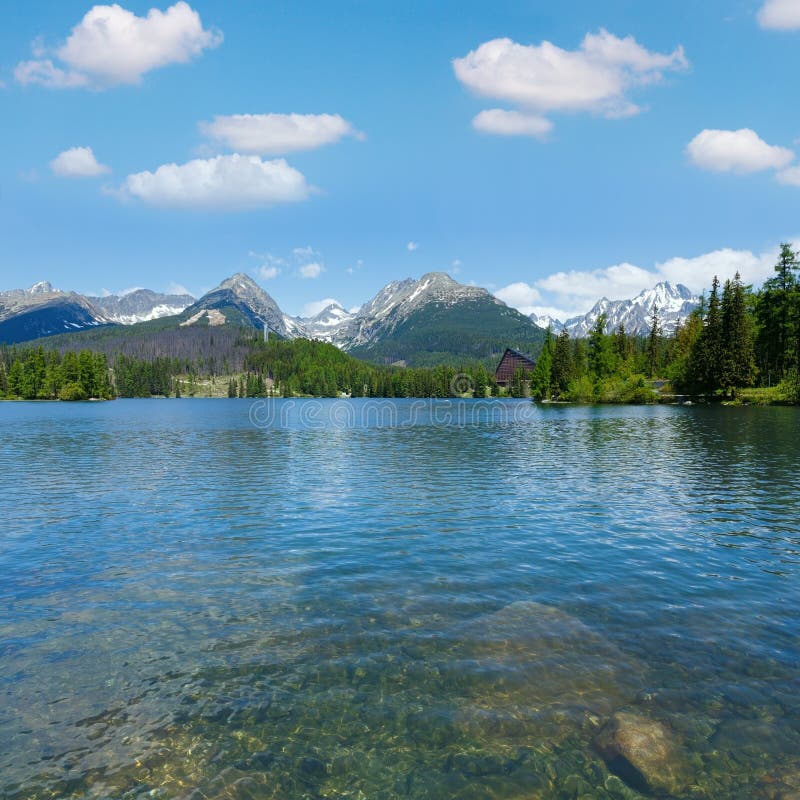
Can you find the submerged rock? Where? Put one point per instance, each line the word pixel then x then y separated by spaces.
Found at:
pixel 536 662
pixel 783 783
pixel 643 752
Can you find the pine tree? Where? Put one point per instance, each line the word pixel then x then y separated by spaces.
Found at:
pixel 654 343
pixel 542 372
pixel 622 344
pixel 778 319
pixel 705 369
pixel 601 355
pixel 738 356
pixel 562 369
pixel 16 377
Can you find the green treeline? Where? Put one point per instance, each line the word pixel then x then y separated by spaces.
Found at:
pixel 303 367
pixel 39 374
pixel 736 339
pixel 274 368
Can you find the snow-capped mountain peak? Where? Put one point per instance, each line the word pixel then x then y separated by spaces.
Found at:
pixel 546 321
pixel 667 296
pixel 42 287
pixel 141 305
pixel 327 326
pixel 674 303
pixel 332 314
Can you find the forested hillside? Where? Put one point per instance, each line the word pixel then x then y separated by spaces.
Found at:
pixel 274 368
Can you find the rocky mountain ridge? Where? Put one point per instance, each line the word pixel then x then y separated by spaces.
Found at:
pixel 674 303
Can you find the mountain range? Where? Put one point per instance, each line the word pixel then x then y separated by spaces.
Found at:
pixel 424 321
pixel 674 303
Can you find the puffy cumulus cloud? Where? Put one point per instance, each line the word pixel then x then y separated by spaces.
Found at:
pixel 78 162
pixel 412 246
pixel 269 271
pixel 315 306
pixel 697 272
pixel 544 78
pixel 44 72
pixel 790 176
pixel 512 123
pixel 520 295
pixel 224 182
pixel 740 151
pixel 276 134
pixel 112 46
pixel 567 294
pixel 619 280
pixel 311 270
pixel 782 15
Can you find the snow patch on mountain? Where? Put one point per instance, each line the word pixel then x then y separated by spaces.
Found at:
pixel 398 300
pixel 141 305
pixel 674 303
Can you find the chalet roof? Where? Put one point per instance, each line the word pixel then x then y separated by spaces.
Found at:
pixel 519 354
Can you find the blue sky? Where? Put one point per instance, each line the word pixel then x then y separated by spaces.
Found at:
pixel 578 179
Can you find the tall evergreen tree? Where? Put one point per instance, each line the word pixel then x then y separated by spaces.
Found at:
pixel 654 343
pixel 778 317
pixel 542 373
pixel 562 368
pixel 601 355
pixel 706 358
pixel 738 367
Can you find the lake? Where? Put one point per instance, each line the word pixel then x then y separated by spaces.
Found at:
pixel 390 599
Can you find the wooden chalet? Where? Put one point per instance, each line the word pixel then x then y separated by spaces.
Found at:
pixel 511 361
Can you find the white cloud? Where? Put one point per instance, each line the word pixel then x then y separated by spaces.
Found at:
pixel 412 246
pixel 315 306
pixel 224 182
pixel 45 73
pixel 782 15
pixel 740 151
pixel 277 134
pixel 269 271
pixel 619 280
pixel 570 293
pixel 790 176
pixel 78 162
pixel 304 253
pixel 697 272
pixel 176 288
pixel 596 77
pixel 520 295
pixel 511 123
pixel 112 46
pixel 311 270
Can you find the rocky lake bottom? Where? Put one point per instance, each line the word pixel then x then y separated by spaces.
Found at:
pixel 205 600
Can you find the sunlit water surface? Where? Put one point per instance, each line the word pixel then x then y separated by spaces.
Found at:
pixel 206 599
